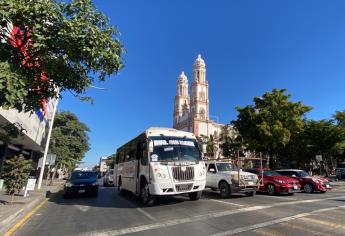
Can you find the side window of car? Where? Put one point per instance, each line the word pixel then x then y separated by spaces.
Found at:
pixel 211 168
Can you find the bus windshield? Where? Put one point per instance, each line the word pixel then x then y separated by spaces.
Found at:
pixel 174 149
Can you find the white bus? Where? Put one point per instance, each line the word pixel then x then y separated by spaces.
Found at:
pixel 159 162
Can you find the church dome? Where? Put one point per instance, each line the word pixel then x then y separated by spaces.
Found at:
pixel 199 62
pixel 182 77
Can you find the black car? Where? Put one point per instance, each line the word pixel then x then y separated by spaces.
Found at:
pixel 82 182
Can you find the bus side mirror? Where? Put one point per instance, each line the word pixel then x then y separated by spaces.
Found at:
pixel 150 146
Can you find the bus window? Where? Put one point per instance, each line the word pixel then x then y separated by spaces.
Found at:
pixel 143 154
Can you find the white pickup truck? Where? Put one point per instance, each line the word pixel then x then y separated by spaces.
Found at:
pixel 223 176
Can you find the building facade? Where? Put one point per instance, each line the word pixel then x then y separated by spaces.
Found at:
pixel 35 130
pixel 191 106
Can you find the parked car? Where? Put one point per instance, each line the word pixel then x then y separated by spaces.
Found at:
pixel 108 179
pixel 274 183
pixel 81 182
pixel 223 176
pixel 340 171
pixel 308 183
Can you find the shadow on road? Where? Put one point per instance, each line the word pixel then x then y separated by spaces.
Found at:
pixel 110 198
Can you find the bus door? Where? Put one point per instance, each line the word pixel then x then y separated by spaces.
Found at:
pixel 142 163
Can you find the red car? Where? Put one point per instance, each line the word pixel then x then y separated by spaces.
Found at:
pixel 274 183
pixel 309 183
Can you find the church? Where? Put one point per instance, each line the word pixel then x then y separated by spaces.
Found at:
pixel 191 112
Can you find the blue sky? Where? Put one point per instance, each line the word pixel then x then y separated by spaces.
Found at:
pixel 249 48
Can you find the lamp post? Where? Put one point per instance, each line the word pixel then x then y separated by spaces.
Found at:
pixel 39 184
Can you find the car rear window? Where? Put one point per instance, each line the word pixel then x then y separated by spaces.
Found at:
pixel 83 175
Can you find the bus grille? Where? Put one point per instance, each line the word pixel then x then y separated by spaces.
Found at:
pixel 183 173
pixel 183 187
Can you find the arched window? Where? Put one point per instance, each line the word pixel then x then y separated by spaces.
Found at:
pixel 202 113
pixel 202 96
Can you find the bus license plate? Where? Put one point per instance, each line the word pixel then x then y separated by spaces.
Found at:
pixel 81 191
pixel 250 183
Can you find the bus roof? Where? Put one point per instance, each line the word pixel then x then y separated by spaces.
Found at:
pixel 158 131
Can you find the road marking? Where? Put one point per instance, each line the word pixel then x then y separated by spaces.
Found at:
pixel 224 202
pixel 82 208
pixel 273 222
pixel 323 222
pixel 268 232
pixel 199 218
pixel 20 223
pixel 147 214
pixel 281 198
pixel 302 228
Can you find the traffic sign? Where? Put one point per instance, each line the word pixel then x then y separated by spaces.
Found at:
pixel 50 159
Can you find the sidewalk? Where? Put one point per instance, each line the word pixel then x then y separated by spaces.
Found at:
pixel 11 213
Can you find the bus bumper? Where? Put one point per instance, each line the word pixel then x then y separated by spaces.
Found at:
pixel 176 187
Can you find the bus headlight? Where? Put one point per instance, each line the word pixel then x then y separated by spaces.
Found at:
pixel 202 173
pixel 160 174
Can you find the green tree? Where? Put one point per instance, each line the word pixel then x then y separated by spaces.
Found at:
pixel 339 117
pixel 211 143
pixel 16 174
pixel 69 139
pixel 322 137
pixel 230 141
pixel 65 44
pixel 268 125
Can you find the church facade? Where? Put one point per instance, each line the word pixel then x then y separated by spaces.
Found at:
pixel 191 106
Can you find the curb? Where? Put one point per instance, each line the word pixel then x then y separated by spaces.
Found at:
pixel 11 221
pixel 6 224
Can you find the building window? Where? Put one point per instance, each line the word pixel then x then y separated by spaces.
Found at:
pixel 202 114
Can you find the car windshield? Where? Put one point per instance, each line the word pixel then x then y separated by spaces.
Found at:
pixel 271 173
pixel 83 175
pixel 175 149
pixel 226 167
pixel 302 173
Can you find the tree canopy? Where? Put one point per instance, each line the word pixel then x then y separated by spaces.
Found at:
pixel 230 141
pixel 69 139
pixel 50 44
pixel 269 124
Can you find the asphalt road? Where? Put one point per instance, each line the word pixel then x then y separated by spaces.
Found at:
pixel 114 214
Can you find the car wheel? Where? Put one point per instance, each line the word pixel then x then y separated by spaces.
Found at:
pixel 195 196
pixel 224 189
pixel 308 188
pixel 145 195
pixel 251 194
pixel 270 189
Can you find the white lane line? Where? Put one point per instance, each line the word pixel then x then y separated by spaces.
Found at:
pixel 224 202
pixel 273 222
pixel 198 218
pixel 147 214
pixel 281 198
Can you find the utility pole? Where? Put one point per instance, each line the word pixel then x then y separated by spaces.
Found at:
pixel 47 143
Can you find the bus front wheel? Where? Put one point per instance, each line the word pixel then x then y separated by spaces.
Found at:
pixel 195 196
pixel 145 195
